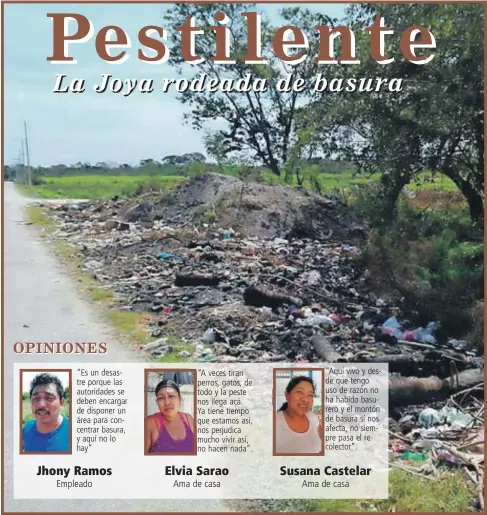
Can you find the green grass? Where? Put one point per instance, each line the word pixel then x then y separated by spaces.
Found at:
pixel 410 493
pixel 124 323
pixel 347 180
pixel 99 186
pixel 67 253
pixel 130 325
pixel 428 183
pixel 177 347
pixel 27 410
pixel 37 216
pixel 127 324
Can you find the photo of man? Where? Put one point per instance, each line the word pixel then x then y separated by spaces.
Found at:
pixel 45 412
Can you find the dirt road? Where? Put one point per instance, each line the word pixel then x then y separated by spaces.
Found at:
pixel 41 303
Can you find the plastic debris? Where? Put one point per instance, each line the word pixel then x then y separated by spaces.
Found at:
pixel 429 417
pixel 209 336
pixel 415 456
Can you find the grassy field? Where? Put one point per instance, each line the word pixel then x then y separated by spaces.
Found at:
pixel 106 186
pixel 27 410
pixel 347 180
pixel 410 493
pixel 426 183
pixel 99 186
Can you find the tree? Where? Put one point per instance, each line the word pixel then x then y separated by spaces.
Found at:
pixel 184 159
pixel 9 173
pixel 195 157
pixel 435 123
pixel 215 148
pixel 259 124
pixel 147 162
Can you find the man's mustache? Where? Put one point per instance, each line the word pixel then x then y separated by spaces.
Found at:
pixel 41 411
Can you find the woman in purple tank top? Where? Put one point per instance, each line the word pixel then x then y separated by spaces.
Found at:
pixel 169 430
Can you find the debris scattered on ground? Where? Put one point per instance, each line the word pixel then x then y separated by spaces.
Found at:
pixel 245 272
pixel 425 440
pixel 264 294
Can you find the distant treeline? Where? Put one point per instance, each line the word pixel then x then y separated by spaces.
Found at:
pixel 186 165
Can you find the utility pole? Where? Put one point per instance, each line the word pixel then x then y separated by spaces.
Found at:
pixel 21 169
pixel 20 161
pixel 29 172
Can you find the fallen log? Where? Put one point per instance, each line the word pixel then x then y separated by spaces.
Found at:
pixel 196 279
pixel 469 378
pixel 417 344
pixel 417 364
pixel 404 364
pixel 260 297
pixel 324 349
pixel 405 391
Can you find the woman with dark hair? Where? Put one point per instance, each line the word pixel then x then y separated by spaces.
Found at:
pixel 297 427
pixel 169 430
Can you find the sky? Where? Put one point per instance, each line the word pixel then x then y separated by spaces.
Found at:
pixel 90 127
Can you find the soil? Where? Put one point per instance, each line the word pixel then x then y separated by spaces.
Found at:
pixel 252 209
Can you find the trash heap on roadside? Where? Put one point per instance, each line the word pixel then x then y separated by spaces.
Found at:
pixel 256 288
pixel 265 284
pixel 430 441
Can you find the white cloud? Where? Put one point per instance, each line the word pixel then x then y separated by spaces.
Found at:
pixel 89 127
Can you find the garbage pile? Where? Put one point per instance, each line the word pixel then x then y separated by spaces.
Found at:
pixel 235 281
pixel 261 291
pixel 247 282
pixel 249 208
pixel 428 441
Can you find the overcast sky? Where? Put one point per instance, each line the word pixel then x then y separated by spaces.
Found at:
pixel 90 127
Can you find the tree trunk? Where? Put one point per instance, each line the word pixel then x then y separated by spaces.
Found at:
pixel 392 191
pixel 476 209
pixel 274 167
pixel 473 198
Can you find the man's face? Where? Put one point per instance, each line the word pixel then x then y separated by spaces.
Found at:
pixel 46 404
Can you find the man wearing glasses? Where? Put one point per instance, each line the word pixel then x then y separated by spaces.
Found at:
pixel 49 431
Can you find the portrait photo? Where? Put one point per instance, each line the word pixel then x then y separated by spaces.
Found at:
pixel 298 412
pixel 170 412
pixel 45 411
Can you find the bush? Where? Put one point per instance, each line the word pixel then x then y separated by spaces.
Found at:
pixel 432 259
pixel 369 205
pixel 475 337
